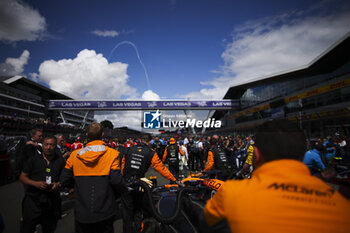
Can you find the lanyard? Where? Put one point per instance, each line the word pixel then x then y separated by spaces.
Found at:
pixel 47 165
pixel 48 170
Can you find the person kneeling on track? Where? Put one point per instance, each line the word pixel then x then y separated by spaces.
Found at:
pixel 281 195
pixel 134 166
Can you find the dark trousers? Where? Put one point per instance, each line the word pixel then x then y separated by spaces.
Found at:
pixel 200 158
pixel 105 226
pixel 195 161
pixel 34 213
pixel 132 205
pixel 192 161
pixel 159 153
pixel 205 156
pixel 174 169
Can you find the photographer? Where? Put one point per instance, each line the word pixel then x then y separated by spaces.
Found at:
pixel 42 203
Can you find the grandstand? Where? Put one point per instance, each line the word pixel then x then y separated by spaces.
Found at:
pixel 23 105
pixel 317 96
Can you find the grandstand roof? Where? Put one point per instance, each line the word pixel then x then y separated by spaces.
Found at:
pixel 27 85
pixel 334 57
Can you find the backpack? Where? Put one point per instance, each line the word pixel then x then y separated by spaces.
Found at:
pixel 194 148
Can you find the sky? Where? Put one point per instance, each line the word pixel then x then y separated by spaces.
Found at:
pixel 162 49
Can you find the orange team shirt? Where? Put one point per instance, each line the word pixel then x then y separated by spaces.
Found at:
pixel 96 159
pixel 210 162
pixel 281 197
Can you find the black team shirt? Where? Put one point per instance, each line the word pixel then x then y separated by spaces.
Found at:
pixel 38 170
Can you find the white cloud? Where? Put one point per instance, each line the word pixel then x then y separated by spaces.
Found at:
pixel 19 21
pixel 14 66
pixel 87 76
pixel 150 95
pixel 105 33
pixel 90 76
pixel 265 50
pixel 275 44
pixel 130 119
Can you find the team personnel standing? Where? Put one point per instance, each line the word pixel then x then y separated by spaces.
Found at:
pixel 192 149
pixel 313 159
pixel 248 165
pixel 207 147
pixel 134 166
pixel 61 146
pixel 42 203
pixel 130 142
pixel 113 144
pixel 217 159
pixel 200 154
pixel 77 144
pixel 33 145
pixel 330 150
pixel 121 148
pixel 281 195
pixel 172 154
pixel 183 160
pixel 158 146
pixel 96 172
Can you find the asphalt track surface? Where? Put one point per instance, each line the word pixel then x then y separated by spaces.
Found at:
pixel 11 196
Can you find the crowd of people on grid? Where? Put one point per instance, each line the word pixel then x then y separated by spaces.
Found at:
pixel 49 158
pixel 196 149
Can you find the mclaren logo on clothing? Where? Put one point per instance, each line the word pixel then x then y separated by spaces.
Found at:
pixel 302 190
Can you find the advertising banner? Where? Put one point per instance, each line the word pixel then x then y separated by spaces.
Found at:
pixel 142 104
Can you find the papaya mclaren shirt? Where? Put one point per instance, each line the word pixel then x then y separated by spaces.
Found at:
pixel 281 196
